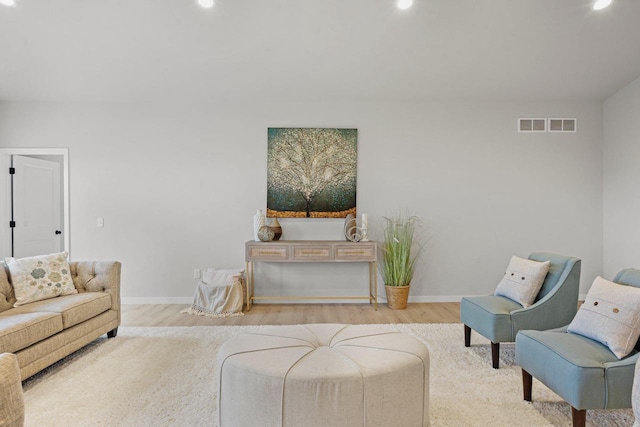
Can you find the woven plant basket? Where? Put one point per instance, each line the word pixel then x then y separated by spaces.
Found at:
pixel 397 296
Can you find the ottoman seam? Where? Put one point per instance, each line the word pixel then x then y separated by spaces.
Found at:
pixel 280 336
pixel 383 348
pixel 364 398
pixel 284 382
pixel 367 336
pixel 245 352
pixel 332 337
pixel 422 362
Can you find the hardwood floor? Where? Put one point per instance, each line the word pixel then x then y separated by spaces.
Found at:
pixel 291 314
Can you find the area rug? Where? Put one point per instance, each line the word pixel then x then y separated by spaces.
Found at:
pixel 165 376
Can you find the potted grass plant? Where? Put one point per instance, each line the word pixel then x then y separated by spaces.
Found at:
pixel 400 251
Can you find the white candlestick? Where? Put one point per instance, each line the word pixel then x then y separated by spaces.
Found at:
pixel 364 227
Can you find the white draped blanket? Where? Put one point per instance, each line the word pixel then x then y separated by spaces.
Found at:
pixel 219 294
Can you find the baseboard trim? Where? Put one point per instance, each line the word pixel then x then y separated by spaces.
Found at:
pixel 442 298
pixel 189 300
pixel 381 299
pixel 157 300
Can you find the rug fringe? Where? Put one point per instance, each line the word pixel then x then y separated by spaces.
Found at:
pixel 200 311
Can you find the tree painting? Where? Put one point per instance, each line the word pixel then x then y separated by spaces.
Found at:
pixel 311 172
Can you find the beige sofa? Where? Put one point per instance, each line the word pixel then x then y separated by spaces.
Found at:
pixel 43 332
pixel 11 397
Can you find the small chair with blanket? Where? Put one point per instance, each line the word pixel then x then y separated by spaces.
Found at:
pixel 220 293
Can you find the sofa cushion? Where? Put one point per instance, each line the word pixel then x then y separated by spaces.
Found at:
pixel 40 277
pixel 73 308
pixel 7 297
pixel 20 330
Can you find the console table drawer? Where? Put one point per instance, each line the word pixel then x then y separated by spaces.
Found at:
pixel 267 252
pixel 363 252
pixel 312 253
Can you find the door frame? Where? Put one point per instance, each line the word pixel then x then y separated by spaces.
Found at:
pixel 5 200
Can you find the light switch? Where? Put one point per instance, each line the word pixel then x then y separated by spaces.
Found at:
pixel 100 222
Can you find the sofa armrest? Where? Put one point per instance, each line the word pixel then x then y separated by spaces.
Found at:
pixel 98 276
pixel 11 396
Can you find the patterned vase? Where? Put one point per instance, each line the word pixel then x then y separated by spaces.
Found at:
pixel 258 221
pixel 277 229
pixel 349 224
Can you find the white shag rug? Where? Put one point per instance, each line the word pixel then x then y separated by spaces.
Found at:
pixel 164 376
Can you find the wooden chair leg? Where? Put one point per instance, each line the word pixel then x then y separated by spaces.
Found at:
pixel 579 417
pixel 495 354
pixel 467 336
pixel 527 384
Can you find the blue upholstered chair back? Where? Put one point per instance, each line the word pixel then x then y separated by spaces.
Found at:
pixel 559 264
pixel 631 277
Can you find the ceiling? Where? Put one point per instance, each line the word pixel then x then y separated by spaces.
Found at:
pixel 317 50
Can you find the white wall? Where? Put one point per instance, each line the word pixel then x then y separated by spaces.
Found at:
pixel 621 198
pixel 178 185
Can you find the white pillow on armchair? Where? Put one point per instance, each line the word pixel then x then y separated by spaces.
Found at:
pixel 522 280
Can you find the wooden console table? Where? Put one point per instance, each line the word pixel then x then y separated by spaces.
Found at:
pixel 311 251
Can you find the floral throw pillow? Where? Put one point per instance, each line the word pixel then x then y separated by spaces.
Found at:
pixel 40 277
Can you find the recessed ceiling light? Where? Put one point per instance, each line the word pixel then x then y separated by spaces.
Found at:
pixel 9 3
pixel 404 4
pixel 207 4
pixel 601 4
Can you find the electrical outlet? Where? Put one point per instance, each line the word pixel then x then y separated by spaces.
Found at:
pixel 196 273
pixel 100 222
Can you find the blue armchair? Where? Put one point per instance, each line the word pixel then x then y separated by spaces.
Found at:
pixel 582 371
pixel 499 319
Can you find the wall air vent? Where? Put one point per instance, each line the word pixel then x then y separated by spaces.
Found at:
pixel 562 125
pixel 532 125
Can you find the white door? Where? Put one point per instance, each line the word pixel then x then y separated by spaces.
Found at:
pixel 36 207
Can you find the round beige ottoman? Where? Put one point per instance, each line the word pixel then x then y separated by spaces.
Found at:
pixel 323 375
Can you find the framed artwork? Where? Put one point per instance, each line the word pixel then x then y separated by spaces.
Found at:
pixel 311 172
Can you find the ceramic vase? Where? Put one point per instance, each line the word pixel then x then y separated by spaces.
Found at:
pixel 349 224
pixel 258 221
pixel 364 228
pixel 277 229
